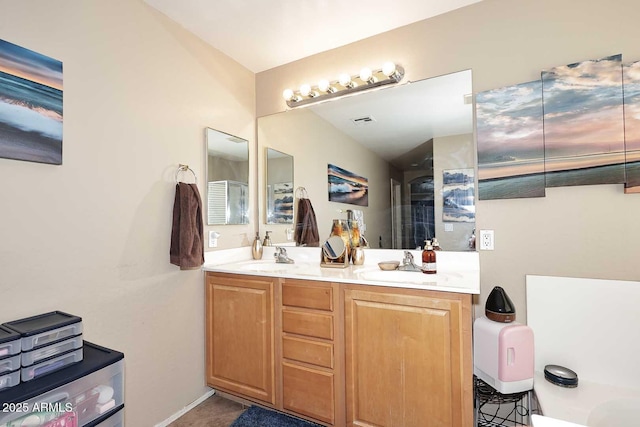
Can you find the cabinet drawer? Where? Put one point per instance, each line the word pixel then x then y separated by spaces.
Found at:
pixel 313 352
pixel 298 294
pixel 308 392
pixel 309 324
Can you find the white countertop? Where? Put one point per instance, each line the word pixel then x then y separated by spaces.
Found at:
pixel 575 404
pixel 457 271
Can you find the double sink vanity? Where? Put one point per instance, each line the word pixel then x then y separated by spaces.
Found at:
pixel 354 346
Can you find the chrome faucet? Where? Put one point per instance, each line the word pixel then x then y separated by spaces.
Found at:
pixel 408 264
pixel 281 256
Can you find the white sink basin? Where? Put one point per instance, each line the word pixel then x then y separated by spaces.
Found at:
pixel 620 412
pixel 399 276
pixel 265 266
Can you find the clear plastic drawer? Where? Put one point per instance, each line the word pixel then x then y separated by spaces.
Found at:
pixel 51 365
pixel 89 397
pixel 48 337
pixel 9 380
pixel 9 364
pixel 10 342
pixel 115 420
pixel 39 354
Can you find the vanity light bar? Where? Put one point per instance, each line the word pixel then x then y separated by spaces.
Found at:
pixel 367 79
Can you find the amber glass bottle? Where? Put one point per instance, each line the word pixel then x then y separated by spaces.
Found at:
pixel 428 259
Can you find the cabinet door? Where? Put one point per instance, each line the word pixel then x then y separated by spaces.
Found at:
pixel 240 342
pixel 408 356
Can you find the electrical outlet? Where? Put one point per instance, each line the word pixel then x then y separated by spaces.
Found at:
pixel 487 241
pixel 213 239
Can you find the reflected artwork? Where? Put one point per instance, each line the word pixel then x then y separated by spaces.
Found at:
pixel 347 187
pixel 458 195
pixel 30 105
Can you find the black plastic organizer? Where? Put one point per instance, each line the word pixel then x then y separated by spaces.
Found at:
pixel 95 359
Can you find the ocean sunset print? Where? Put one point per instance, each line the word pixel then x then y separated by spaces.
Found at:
pixel 631 76
pixel 510 142
pixel 30 105
pixel 584 128
pixel 347 187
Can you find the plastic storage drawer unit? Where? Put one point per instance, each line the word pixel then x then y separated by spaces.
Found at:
pixel 47 328
pixel 9 364
pixel 93 389
pixel 10 343
pixel 50 365
pixel 39 354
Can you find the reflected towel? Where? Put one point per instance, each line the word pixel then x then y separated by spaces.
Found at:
pixel 187 247
pixel 306 225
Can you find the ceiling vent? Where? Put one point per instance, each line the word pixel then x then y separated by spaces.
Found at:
pixel 362 121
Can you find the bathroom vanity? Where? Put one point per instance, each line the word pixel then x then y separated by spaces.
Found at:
pixel 341 346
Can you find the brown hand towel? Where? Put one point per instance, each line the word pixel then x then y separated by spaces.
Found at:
pixel 187 247
pixel 306 225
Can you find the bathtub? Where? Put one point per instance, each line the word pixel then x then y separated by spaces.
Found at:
pixel 590 404
pixel 591 327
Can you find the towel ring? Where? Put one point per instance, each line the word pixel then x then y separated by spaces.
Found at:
pixel 185 168
pixel 301 193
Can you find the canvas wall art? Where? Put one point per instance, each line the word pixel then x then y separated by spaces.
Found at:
pixel 584 123
pixel 631 78
pixel 347 187
pixel 510 142
pixel 458 195
pixel 30 105
pixel 280 203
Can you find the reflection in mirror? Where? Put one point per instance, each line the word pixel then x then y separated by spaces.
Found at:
pixel 279 189
pixel 413 143
pixel 227 178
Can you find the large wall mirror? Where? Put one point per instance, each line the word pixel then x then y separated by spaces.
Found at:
pixel 279 189
pixel 413 143
pixel 227 178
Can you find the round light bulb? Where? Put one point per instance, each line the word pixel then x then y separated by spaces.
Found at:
pixel 305 90
pixel 366 75
pixel 287 94
pixel 388 69
pixel 345 80
pixel 324 85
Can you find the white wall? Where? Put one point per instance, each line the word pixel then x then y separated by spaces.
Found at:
pixel 91 237
pixel 589 231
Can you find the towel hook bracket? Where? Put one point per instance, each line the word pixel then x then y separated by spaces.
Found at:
pixel 185 168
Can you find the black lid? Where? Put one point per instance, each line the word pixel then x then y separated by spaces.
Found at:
pixel 559 375
pixel 42 323
pixel 7 335
pixel 95 358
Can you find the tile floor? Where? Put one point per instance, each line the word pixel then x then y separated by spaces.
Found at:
pixel 216 411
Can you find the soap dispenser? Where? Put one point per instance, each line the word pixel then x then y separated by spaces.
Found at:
pixel 428 259
pixel 267 239
pixel 256 248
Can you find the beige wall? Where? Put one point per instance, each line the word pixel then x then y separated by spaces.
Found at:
pixel 314 143
pixel 580 231
pixel 91 237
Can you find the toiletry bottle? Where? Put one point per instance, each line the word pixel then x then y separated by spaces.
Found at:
pixel 267 239
pixel 256 249
pixel 436 245
pixel 428 259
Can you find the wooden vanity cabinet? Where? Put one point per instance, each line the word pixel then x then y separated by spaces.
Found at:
pixel 408 357
pixel 341 354
pixel 240 343
pixel 311 362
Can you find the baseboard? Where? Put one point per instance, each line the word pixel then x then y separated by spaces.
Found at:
pixel 186 409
